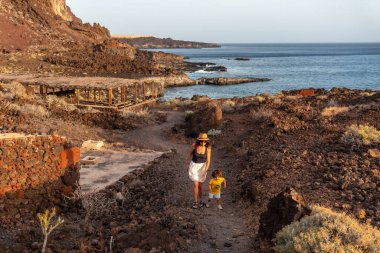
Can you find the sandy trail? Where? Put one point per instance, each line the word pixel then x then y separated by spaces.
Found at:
pixel 225 230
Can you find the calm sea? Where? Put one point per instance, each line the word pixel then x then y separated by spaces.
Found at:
pixel 290 66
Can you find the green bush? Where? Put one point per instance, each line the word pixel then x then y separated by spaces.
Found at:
pixel 327 231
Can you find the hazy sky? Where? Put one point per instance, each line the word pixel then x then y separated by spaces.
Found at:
pixel 238 20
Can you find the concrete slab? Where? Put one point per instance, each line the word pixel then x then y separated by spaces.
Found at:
pixel 114 165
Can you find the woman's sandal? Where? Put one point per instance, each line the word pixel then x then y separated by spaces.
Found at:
pixel 195 205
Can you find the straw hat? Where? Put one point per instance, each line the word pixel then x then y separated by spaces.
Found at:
pixel 202 137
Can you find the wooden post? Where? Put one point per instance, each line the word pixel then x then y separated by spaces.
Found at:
pixel 123 94
pixel 41 89
pixel 100 96
pixel 152 90
pixel 76 96
pixel 94 96
pixel 136 93
pixel 144 87
pixel 110 97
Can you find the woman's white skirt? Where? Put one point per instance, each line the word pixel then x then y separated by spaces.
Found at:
pixel 196 171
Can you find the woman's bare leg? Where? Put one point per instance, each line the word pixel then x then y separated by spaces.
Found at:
pixel 195 191
pixel 200 191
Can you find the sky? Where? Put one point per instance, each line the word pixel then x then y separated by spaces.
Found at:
pixel 233 21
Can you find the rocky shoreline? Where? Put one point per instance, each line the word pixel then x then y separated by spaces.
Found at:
pixel 150 42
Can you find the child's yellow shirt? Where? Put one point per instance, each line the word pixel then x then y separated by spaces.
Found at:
pixel 216 185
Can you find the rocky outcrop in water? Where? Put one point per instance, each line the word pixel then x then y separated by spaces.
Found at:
pixel 230 80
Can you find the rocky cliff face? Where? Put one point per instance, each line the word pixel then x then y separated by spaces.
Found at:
pixel 57 39
pixel 60 9
pixel 41 24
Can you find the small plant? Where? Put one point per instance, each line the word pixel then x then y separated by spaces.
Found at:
pixel 263 114
pixel 333 111
pixel 332 102
pixel 214 132
pixel 327 231
pixel 187 113
pixel 95 203
pixel 359 135
pixel 46 224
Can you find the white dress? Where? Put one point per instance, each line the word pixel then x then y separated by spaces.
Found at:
pixel 196 171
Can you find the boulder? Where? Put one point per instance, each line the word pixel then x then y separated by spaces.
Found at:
pixel 285 208
pixel 209 116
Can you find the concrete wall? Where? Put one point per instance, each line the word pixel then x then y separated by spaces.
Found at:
pixel 34 172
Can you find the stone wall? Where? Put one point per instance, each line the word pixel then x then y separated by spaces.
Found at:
pixel 35 171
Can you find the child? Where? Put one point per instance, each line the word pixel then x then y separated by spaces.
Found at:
pixel 215 185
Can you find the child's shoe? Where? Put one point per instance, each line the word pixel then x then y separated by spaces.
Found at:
pixel 201 204
pixel 220 207
pixel 207 205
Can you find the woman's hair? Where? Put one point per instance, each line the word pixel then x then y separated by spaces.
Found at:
pixel 216 173
pixel 198 143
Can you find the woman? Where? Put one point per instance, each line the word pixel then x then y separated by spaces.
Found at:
pixel 200 158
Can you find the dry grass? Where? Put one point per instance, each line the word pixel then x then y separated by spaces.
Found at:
pixel 13 90
pixel 332 111
pixel 57 103
pixel 358 135
pixel 263 114
pixel 327 231
pixel 35 110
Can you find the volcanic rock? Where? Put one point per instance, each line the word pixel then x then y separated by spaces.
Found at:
pixel 283 209
pixel 204 119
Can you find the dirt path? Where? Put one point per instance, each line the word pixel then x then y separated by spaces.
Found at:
pixel 224 230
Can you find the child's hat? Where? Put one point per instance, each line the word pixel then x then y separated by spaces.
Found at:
pixel 202 137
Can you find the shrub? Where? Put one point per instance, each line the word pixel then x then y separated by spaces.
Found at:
pixel 263 114
pixel 332 102
pixel 214 132
pixel 35 110
pixel 327 231
pixel 260 99
pixel 55 102
pixel 358 135
pixel 13 90
pixel 334 110
pixel 228 106
pixel 187 113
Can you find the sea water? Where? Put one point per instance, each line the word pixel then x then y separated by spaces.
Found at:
pixel 290 66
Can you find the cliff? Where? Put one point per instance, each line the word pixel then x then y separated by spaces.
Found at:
pixel 45 36
pixel 153 42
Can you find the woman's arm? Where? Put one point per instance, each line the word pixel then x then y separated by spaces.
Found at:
pixel 224 183
pixel 190 156
pixel 208 159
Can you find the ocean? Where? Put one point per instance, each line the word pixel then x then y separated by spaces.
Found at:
pixel 290 66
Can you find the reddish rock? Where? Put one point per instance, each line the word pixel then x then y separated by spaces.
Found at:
pixel 67 190
pixel 69 157
pixel 306 93
pixel 20 194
